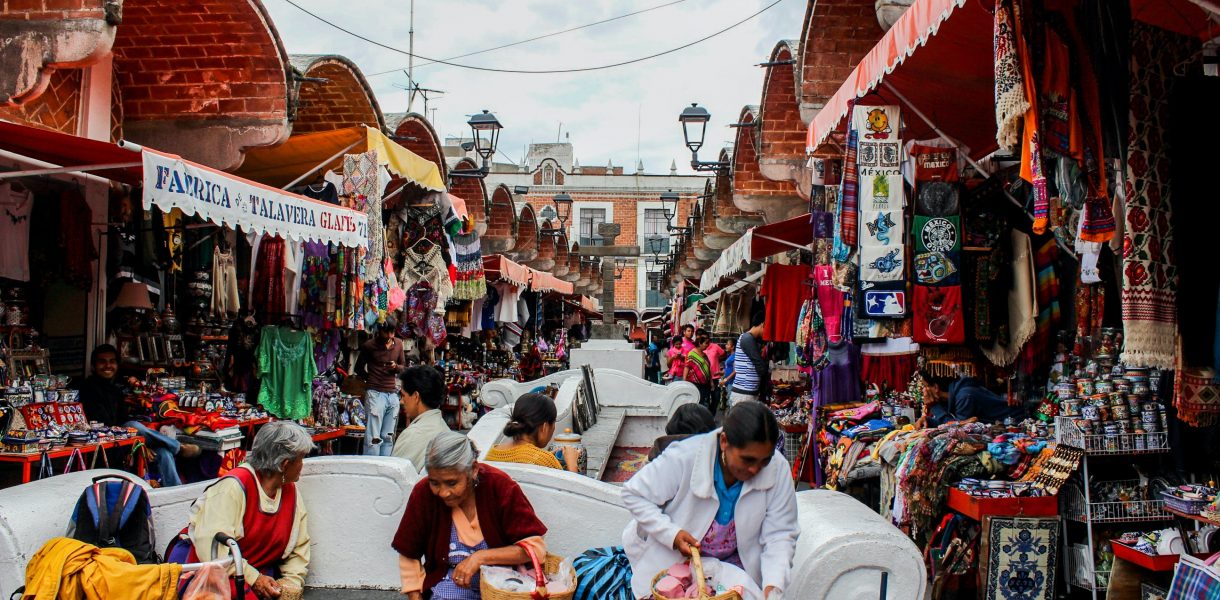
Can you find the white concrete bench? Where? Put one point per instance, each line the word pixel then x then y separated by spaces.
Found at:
pixel 356 503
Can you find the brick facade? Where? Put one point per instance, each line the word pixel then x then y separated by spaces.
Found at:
pixel 416 134
pixel 501 222
pixel 474 191
pixel 344 100
pixel 200 60
pixel 747 180
pixel 57 108
pixel 836 35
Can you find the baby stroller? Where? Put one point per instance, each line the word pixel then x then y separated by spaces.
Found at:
pixel 60 568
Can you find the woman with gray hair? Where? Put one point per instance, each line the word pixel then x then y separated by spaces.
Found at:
pixel 258 505
pixel 462 516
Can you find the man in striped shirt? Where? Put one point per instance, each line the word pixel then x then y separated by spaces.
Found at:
pixel 748 365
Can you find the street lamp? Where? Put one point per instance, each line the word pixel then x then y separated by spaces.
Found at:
pixel 485 130
pixel 563 206
pixel 669 203
pixel 694 120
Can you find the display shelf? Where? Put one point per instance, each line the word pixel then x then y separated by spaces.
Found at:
pixel 1085 577
pixel 1159 562
pixel 976 508
pixel 1067 432
pixel 1199 518
pixel 1077 508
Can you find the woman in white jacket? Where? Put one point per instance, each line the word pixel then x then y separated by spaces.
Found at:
pixel 728 493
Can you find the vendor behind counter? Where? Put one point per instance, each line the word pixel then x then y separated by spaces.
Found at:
pixel 964 398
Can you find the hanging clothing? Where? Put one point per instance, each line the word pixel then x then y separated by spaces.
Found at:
pixel 427 267
pixel 784 287
pixel 316 288
pixel 225 302
pixel 294 261
pixel 1022 303
pixel 839 382
pixel 325 191
pixel 286 368
pixel 471 282
pixel 362 177
pixel 17 205
pixel 267 285
pixel 506 308
pixel 76 238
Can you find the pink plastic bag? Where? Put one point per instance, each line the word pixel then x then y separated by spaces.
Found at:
pixel 209 583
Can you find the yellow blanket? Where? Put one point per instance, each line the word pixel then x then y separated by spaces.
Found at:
pixel 66 569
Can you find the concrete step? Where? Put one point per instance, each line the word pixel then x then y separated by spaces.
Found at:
pixel 599 440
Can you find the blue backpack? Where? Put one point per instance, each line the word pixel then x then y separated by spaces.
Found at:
pixel 114 513
pixel 603 574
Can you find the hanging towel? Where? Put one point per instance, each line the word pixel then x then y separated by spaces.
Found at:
pixel 1010 101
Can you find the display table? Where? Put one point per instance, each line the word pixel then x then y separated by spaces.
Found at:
pixel 328 438
pixel 26 459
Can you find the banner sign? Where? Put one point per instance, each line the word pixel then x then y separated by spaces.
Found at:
pixel 171 182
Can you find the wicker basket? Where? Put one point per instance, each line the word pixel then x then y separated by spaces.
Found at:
pixel 550 566
pixel 697 567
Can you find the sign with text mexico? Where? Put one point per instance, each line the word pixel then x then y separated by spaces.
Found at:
pixel 171 182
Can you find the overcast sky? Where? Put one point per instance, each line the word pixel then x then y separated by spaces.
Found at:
pixel 605 112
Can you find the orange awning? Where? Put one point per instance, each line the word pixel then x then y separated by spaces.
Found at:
pixel 280 165
pixel 65 150
pixel 498 267
pixel 542 281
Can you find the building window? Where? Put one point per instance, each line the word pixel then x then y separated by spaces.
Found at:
pixel 656 234
pixel 653 284
pixel 590 218
pixel 548 175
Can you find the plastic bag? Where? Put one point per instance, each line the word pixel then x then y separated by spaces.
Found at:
pixel 209 583
pixel 507 580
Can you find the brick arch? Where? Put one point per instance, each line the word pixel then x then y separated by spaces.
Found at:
pixel 573 274
pixel 702 251
pixel 205 79
pixel 730 219
pixel 782 130
pixel 56 108
pixel 344 100
pixel 474 192
pixel 835 36
pixel 752 192
pixel 547 256
pixel 562 255
pixel 415 133
pixel 525 249
pixel 501 222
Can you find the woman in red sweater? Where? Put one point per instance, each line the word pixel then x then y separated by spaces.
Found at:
pixel 462 516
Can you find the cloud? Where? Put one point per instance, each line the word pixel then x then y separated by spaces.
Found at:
pixel 607 113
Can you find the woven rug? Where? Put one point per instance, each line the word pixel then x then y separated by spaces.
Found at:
pixel 1019 558
pixel 625 462
pixel 1149 294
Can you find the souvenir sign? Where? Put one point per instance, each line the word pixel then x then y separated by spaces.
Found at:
pixel 882 228
pixel 939 318
pixel 932 268
pixel 937 234
pixel 885 303
pixel 881 263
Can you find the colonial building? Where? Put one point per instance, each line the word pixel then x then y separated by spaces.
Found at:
pixel 601 194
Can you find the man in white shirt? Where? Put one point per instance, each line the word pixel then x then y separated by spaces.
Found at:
pixel 423 391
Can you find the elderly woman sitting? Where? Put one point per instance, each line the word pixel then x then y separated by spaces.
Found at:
pixel 462 516
pixel 258 505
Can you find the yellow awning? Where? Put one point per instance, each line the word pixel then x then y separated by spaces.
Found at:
pixel 280 165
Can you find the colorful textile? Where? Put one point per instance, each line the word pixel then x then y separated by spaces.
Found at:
pixel 268 297
pixel 1018 558
pixel 1197 397
pixel 882 228
pixel 1149 293
pixel 471 282
pixel 1090 309
pixel 846 211
pixel 1010 100
pixel 446 589
pixel 1032 169
pixel 878 263
pixel 881 191
pixel 939 316
pixel 1022 303
pixel 937 234
pixel 1034 355
pixel 361 177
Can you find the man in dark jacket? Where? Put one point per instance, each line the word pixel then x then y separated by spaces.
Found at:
pixel 966 398
pixel 104 401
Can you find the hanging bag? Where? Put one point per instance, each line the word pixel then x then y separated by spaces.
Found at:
pixel 1195 579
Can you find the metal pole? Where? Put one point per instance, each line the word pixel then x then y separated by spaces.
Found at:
pixel 77 169
pixel 411 63
pixel 322 164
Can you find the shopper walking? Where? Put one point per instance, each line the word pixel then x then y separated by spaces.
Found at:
pixel 699 370
pixel 380 361
pixel 750 371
